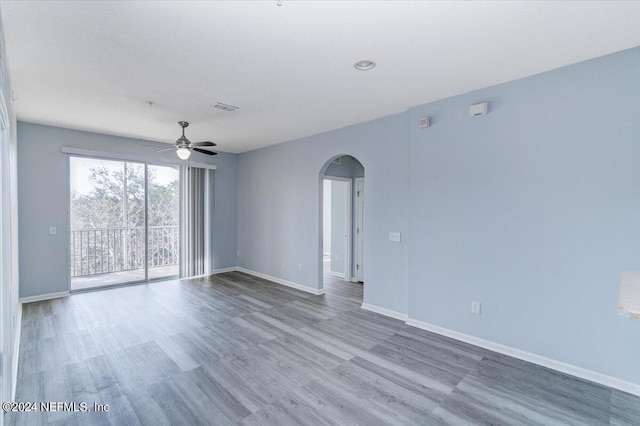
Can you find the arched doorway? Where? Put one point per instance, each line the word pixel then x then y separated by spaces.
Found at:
pixel 341 233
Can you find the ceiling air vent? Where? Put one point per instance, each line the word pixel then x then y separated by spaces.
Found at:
pixel 225 107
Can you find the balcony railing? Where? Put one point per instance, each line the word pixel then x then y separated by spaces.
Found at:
pixel 105 250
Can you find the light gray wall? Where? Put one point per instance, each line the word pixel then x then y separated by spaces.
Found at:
pixel 338 225
pixel 279 206
pixel 532 210
pixel 43 200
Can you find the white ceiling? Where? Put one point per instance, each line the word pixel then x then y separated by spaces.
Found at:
pixel 93 65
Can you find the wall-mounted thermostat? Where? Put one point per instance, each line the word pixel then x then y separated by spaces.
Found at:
pixel 478 109
pixel 424 122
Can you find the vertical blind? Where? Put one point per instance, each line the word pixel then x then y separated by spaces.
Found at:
pixel 196 214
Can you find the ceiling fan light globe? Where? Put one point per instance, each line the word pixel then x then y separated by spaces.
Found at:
pixel 183 153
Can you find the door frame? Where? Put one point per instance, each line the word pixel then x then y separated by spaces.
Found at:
pixel 359 231
pixel 96 155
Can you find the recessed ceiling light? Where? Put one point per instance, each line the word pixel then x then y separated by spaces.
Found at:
pixel 364 65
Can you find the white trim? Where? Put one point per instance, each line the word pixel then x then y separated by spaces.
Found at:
pixel 136 158
pixel 348 251
pixel 384 311
pixel 4 114
pixel 41 297
pixel 224 270
pixel 277 280
pixel 67 176
pixel 358 235
pixel 335 274
pixel 562 367
pixel 16 353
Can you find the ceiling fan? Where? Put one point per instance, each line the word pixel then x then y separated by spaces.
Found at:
pixel 184 146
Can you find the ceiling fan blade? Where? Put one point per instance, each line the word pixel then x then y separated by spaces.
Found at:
pixel 166 149
pixel 204 144
pixel 204 151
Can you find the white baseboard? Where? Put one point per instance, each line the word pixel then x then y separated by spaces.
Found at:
pixel 16 353
pixel 223 270
pixel 41 297
pixel 384 311
pixel 562 367
pixel 277 280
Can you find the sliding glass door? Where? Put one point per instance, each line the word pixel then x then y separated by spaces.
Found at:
pixel 124 222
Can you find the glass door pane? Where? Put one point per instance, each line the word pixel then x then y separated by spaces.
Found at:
pixel 135 241
pixel 163 217
pixel 107 215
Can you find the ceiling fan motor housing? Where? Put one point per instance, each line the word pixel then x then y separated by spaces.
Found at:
pixel 184 143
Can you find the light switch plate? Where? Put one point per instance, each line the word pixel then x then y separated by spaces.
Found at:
pixel 395 237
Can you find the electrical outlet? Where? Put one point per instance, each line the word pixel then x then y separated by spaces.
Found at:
pixel 395 237
pixel 52 230
pixel 476 307
pixel 300 267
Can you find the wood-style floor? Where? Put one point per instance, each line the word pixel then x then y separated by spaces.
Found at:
pixel 234 349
